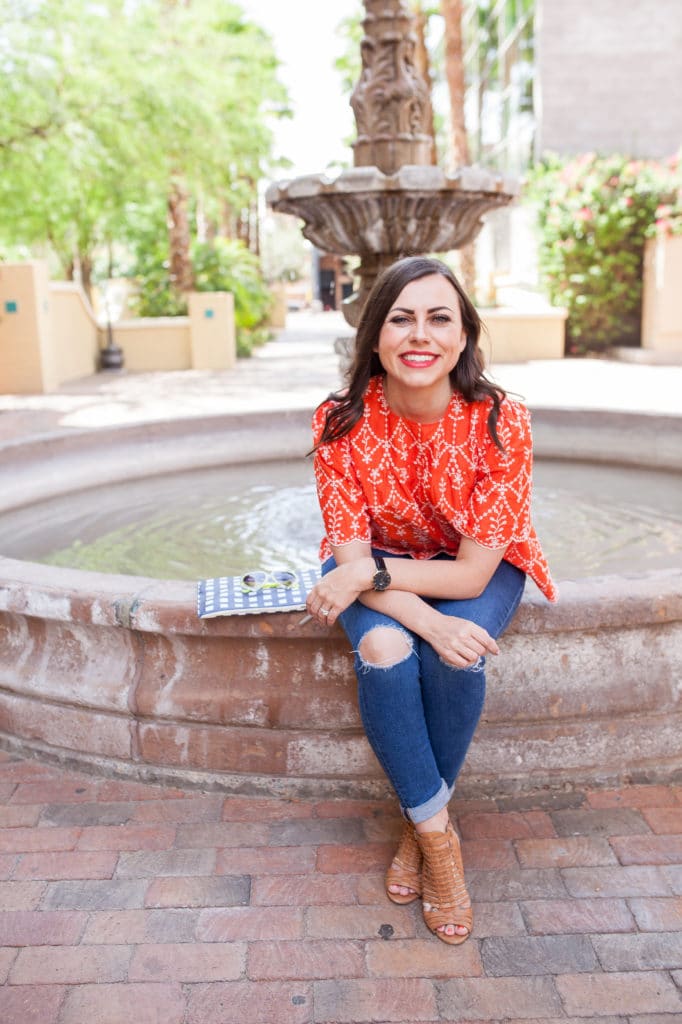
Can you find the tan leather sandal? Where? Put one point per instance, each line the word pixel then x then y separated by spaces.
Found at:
pixel 406 867
pixel 445 898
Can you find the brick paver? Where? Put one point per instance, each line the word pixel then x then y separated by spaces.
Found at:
pixel 122 901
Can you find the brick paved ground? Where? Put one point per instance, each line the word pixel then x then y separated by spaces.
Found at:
pixel 124 902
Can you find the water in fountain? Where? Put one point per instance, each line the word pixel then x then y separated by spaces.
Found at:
pixel 226 521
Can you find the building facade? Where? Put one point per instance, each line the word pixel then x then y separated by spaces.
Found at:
pixel 572 76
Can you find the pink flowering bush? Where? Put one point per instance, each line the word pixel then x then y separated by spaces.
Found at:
pixel 594 215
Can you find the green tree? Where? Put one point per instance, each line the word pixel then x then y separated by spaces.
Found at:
pixel 108 106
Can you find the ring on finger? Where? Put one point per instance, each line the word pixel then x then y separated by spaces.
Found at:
pixel 325 611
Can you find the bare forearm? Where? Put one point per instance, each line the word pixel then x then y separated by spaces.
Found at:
pixel 465 577
pixel 458 641
pixel 408 609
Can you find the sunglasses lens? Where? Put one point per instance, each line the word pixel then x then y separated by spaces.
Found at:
pixel 285 579
pixel 254 579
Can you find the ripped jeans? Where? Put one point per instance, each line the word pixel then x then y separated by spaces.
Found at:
pixel 420 713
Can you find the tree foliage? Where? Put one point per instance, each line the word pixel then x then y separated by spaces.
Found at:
pixel 106 103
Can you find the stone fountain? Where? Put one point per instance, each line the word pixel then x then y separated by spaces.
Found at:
pixel 117 673
pixel 393 202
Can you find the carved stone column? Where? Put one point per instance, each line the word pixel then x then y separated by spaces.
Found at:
pixel 393 202
pixel 391 99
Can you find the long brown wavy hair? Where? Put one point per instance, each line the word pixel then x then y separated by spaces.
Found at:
pixel 467 377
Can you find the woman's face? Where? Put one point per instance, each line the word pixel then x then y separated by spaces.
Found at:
pixel 422 337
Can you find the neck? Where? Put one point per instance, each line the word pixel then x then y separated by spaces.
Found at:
pixel 418 406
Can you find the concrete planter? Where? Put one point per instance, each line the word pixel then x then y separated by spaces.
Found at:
pixel 516 336
pixel 662 297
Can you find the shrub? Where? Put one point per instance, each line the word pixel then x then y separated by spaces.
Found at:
pixel 594 215
pixel 222 265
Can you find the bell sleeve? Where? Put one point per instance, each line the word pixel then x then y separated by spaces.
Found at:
pixel 499 511
pixel 340 495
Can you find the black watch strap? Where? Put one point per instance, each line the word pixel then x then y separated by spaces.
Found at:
pixel 382 577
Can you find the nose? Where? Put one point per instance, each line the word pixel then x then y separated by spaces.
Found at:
pixel 418 332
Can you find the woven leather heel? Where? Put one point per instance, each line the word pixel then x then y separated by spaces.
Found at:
pixel 445 898
pixel 406 867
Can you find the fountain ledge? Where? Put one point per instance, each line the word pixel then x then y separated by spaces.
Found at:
pixel 117 673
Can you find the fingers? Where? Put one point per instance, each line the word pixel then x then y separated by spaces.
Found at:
pixel 481 637
pixel 463 661
pixel 321 607
pixel 467 643
pixel 476 640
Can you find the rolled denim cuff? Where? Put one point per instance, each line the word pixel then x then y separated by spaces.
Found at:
pixel 432 806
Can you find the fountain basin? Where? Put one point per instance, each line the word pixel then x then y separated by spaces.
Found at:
pixel 117 673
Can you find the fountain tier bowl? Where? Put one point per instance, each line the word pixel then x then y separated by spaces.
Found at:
pixel 116 673
pixel 415 210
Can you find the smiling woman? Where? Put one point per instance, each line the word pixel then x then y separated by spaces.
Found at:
pixel 423 472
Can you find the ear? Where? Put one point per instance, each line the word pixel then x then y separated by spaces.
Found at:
pixel 462 340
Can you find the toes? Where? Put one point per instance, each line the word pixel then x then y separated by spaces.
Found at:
pixel 453 929
pixel 401 890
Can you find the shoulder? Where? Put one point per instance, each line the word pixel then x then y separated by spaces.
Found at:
pixel 513 414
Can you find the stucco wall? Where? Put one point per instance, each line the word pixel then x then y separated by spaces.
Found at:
pixel 27 360
pixel 49 334
pixel 155 343
pixel 609 76
pixel 74 333
pixel 662 298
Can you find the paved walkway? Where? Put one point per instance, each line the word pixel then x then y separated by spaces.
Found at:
pixel 122 902
pixel 299 368
pixel 125 902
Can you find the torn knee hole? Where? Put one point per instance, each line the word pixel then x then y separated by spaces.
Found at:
pixel 384 646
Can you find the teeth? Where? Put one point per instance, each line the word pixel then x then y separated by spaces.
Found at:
pixel 418 358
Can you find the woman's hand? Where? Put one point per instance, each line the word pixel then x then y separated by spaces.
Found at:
pixel 338 589
pixel 460 642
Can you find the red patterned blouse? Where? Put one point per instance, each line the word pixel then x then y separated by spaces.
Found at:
pixel 417 488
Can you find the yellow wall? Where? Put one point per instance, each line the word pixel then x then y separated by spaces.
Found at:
pixel 662 296
pixel 27 359
pixel 212 334
pixel 154 343
pixel 49 333
pixel 513 336
pixel 74 331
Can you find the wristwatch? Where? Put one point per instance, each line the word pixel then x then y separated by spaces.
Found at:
pixel 382 577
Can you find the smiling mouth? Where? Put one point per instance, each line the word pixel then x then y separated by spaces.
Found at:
pixel 419 358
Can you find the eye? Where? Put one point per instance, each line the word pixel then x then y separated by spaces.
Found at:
pixel 399 319
pixel 441 318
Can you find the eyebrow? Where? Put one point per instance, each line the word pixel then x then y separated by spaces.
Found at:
pixel 404 309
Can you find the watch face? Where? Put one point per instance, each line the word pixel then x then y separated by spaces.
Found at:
pixel 382 579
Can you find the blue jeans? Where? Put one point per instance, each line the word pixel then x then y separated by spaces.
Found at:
pixel 420 713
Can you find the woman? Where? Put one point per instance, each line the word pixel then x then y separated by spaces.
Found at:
pixel 423 472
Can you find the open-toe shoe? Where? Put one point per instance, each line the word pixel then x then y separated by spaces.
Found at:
pixel 405 869
pixel 445 898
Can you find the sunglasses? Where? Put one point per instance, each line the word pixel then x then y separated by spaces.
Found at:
pixel 261 580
